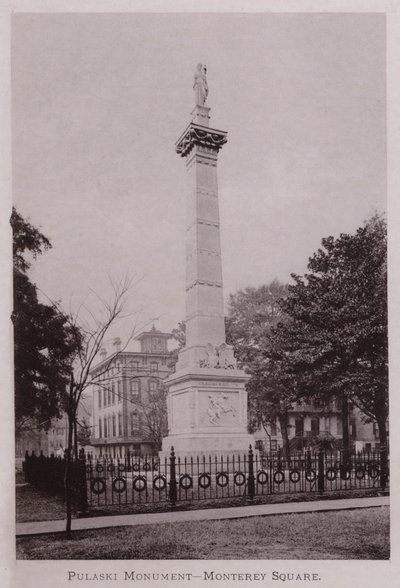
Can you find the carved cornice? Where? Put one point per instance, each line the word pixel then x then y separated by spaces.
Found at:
pixel 196 135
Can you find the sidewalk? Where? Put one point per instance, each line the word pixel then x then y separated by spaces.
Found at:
pixel 212 514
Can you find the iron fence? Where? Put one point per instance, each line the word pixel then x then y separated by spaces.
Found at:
pixel 140 480
pixel 149 479
pixel 48 474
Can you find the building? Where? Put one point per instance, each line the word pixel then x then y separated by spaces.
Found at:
pixel 129 388
pixel 310 424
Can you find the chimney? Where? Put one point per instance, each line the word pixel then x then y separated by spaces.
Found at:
pixel 117 344
pixel 103 353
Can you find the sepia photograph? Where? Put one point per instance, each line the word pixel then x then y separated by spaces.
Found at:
pixel 199 318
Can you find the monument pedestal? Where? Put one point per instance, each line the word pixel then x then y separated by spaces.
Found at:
pixel 207 413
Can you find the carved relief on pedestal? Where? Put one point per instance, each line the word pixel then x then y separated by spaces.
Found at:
pixel 218 408
pixel 220 356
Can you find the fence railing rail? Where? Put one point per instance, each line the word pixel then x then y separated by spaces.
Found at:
pixel 137 480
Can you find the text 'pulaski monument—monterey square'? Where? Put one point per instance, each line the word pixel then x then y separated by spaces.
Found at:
pixel 207 400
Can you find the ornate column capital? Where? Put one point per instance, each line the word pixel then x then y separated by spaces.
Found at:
pixel 197 135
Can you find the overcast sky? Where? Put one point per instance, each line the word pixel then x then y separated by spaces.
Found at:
pixel 99 101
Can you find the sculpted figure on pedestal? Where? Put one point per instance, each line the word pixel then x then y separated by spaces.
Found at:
pixel 218 407
pixel 200 85
pixel 226 358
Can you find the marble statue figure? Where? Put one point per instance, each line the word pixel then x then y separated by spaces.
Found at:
pixel 200 85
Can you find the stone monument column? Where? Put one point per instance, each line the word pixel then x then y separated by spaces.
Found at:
pixel 207 400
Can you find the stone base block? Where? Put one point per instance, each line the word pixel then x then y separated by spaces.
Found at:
pixel 197 445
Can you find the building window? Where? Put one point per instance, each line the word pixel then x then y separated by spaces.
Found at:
pixel 315 426
pixel 113 393
pixel 120 432
pixel 299 426
pixel 152 389
pixel 100 429
pixel 134 423
pixel 105 427
pixel 114 428
pixel 134 390
pixel 109 396
pixel 119 391
pixel 273 429
pixel 274 444
pixel 353 430
pixel 99 398
pixel 135 365
pixel 153 366
pixel 105 397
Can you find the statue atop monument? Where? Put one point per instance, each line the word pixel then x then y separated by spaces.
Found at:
pixel 200 85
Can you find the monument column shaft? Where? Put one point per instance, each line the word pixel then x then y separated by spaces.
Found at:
pixel 207 399
pixel 204 292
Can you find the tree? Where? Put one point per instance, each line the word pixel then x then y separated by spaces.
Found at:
pixel 337 335
pixel 253 313
pixel 83 432
pixel 93 331
pixel 179 334
pixel 44 340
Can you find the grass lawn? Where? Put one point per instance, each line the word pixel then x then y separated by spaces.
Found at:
pixel 33 505
pixel 355 534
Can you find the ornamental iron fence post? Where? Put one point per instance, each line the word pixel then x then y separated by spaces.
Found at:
pixel 321 472
pixel 173 494
pixel 251 479
pixel 383 468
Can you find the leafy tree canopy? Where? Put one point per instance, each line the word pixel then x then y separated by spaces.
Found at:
pixel 44 341
pixel 337 333
pixel 253 315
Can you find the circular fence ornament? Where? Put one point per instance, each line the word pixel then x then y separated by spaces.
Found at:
pixel 330 474
pixel 119 485
pixel 373 471
pixel 204 481
pixel 345 473
pixel 147 467
pixel 239 479
pixel 159 483
pixel 139 483
pixel 279 477
pixel 294 476
pixel 262 478
pixel 186 481
pixel 99 468
pixel 311 476
pixel 121 468
pixel 136 467
pixel 111 468
pixel 222 479
pixel 360 472
pixel 98 486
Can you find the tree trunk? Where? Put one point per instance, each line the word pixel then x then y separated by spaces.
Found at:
pixel 68 460
pixel 345 423
pixel 383 461
pixel 68 472
pixel 75 440
pixel 283 422
pixel 346 437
